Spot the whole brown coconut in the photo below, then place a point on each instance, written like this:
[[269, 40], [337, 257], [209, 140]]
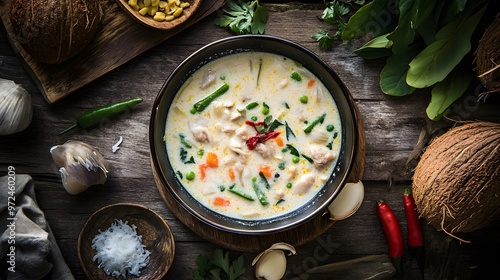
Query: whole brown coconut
[[52, 31], [487, 58], [456, 184]]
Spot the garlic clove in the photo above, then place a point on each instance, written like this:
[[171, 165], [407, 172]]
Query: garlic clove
[[271, 265], [347, 201], [80, 165], [16, 108]]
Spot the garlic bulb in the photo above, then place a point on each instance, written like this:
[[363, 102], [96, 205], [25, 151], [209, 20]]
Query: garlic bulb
[[347, 201], [16, 108], [271, 263], [80, 164]]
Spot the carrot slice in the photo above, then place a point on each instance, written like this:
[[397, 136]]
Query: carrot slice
[[279, 141], [219, 201], [311, 83], [231, 174], [266, 170], [203, 171], [212, 160]]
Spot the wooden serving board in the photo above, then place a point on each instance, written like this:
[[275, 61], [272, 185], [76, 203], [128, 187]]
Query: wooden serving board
[[119, 39], [254, 243]]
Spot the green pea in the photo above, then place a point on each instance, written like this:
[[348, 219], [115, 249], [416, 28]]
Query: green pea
[[254, 118], [304, 99], [295, 159], [265, 109], [201, 152], [192, 111], [190, 176], [330, 127], [289, 185]]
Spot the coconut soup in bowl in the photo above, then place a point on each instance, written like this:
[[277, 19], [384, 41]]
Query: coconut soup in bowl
[[253, 135]]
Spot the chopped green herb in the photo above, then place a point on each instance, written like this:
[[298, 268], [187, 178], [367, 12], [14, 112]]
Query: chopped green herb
[[190, 175], [303, 99], [296, 76], [252, 105], [275, 124], [260, 68], [264, 180], [282, 165], [325, 40], [265, 108], [307, 158], [179, 174], [222, 188], [288, 132], [276, 175], [286, 105], [335, 135], [329, 145], [184, 142], [317, 121], [219, 267], [222, 77], [254, 118], [293, 151], [280, 201]]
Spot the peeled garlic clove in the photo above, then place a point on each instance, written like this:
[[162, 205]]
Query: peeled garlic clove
[[271, 263], [271, 266], [347, 201], [80, 165], [16, 108]]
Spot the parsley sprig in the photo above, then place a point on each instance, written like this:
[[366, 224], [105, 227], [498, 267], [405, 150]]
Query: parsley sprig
[[244, 17], [219, 267], [334, 14]]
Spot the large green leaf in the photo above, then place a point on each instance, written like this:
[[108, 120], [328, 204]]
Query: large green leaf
[[378, 47], [375, 17], [452, 8], [438, 59], [448, 91], [393, 75]]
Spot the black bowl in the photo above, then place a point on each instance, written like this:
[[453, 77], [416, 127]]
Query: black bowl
[[246, 43]]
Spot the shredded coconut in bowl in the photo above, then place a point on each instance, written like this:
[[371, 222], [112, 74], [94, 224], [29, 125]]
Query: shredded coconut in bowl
[[120, 250]]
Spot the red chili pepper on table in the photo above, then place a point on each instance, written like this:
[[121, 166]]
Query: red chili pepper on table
[[392, 232], [415, 236]]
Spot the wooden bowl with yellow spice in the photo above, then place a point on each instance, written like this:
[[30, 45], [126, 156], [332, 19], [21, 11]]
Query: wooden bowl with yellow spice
[[160, 14]]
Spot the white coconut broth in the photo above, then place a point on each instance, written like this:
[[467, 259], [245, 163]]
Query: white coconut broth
[[222, 153]]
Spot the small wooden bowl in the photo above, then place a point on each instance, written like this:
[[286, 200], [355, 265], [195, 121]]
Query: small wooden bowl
[[163, 25], [156, 236]]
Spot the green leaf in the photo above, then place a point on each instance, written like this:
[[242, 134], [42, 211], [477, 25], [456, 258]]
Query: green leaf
[[334, 11], [378, 47], [404, 33], [393, 75], [374, 17], [324, 39], [452, 9], [221, 260], [244, 17], [438, 59], [444, 93], [237, 268]]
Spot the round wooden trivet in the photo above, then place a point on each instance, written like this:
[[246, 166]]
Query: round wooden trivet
[[254, 243]]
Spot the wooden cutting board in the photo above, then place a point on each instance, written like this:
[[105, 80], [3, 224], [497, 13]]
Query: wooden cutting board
[[254, 243], [119, 39]]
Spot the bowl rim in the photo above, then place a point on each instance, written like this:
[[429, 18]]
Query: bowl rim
[[344, 92], [129, 205]]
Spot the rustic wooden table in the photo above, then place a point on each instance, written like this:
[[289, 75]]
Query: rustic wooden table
[[392, 127]]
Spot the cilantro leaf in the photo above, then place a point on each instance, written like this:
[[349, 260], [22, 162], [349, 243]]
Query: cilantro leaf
[[237, 269], [219, 267], [325, 40], [243, 17]]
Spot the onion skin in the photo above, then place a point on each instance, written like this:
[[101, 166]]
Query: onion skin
[[456, 184], [53, 31]]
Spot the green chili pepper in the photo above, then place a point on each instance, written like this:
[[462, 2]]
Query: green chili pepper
[[260, 194], [202, 104], [98, 114], [241, 194], [317, 121]]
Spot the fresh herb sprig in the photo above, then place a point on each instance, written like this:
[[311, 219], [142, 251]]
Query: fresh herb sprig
[[219, 267], [244, 17], [334, 14]]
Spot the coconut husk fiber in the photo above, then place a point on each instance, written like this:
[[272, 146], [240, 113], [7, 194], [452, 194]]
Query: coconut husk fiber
[[487, 57]]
